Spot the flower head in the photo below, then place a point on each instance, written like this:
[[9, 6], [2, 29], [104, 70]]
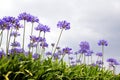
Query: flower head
[[15, 44], [84, 47], [43, 44], [63, 25], [15, 34], [103, 43], [35, 56], [2, 53], [89, 53], [43, 28], [99, 54], [112, 61], [67, 50]]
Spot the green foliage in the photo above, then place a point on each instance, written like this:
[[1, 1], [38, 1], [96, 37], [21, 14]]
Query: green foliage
[[20, 67]]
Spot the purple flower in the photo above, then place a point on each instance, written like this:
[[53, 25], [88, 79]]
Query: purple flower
[[113, 61], [43, 28], [2, 53], [56, 56], [84, 47], [5, 25], [63, 25], [99, 54], [66, 50], [16, 50], [33, 38], [32, 45], [89, 53], [103, 43], [99, 62], [40, 39], [15, 34], [35, 56], [33, 19], [43, 44], [17, 26], [24, 16], [15, 44], [48, 53]]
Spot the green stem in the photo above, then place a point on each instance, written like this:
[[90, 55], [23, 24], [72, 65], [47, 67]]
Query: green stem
[[31, 35], [1, 37], [57, 41], [9, 39], [7, 42], [32, 29], [103, 55], [23, 36], [38, 42]]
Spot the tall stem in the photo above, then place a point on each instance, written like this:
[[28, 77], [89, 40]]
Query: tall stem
[[103, 55], [23, 36], [32, 29], [38, 42], [1, 38], [7, 42], [9, 39], [57, 41], [31, 35]]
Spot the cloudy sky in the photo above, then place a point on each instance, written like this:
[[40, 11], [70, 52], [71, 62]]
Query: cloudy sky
[[91, 20]]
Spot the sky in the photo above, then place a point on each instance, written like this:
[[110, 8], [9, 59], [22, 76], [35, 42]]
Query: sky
[[91, 20]]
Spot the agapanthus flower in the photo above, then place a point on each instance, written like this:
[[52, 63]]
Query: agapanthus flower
[[35, 56], [40, 39], [17, 26], [5, 25], [99, 62], [84, 47], [43, 44], [24, 16], [99, 54], [16, 50], [56, 56], [67, 50], [33, 38], [63, 25], [43, 28], [113, 61], [103, 43], [14, 33], [32, 45], [89, 53], [15, 44], [33, 19], [48, 53], [2, 53]]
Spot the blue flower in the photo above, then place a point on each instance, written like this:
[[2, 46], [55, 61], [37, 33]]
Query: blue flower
[[103, 43], [84, 47], [43, 28], [67, 50], [63, 25], [43, 44], [99, 54], [48, 53], [2, 53], [15, 44], [35, 56], [15, 34]]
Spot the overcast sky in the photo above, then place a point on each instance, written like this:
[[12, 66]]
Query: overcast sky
[[91, 20]]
